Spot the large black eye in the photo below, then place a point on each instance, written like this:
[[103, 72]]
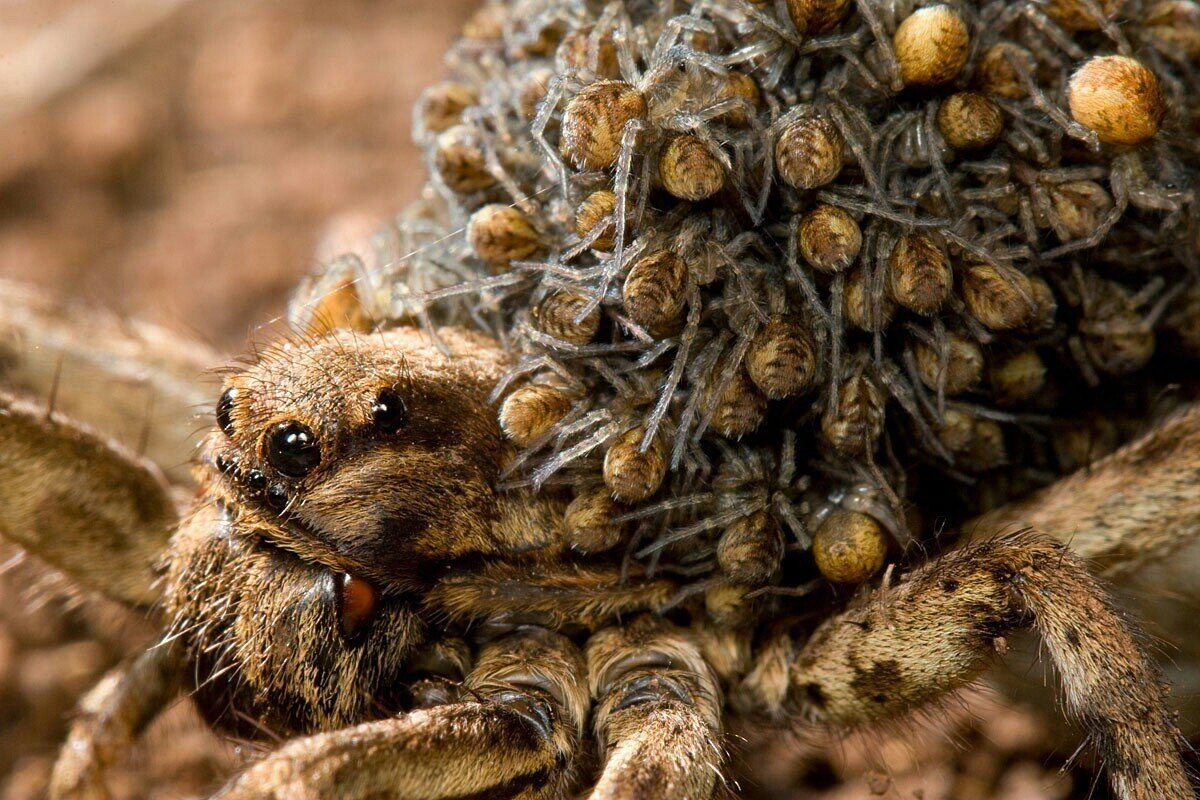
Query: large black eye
[[389, 412], [225, 410], [292, 449]]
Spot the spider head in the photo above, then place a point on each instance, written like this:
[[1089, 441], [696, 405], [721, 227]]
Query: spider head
[[372, 454]]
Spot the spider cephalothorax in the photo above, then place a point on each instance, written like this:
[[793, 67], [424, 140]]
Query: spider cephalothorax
[[302, 612], [370, 459]]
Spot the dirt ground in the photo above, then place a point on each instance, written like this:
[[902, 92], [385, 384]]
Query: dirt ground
[[182, 162], [189, 177]]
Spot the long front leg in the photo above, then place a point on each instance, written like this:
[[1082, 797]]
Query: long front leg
[[145, 386], [111, 717], [518, 738], [1132, 508], [905, 646], [82, 504], [1135, 517]]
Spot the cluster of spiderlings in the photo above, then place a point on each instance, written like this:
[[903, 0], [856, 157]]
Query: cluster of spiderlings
[[778, 273]]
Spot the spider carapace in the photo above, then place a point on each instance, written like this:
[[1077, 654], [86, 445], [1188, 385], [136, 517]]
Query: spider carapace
[[351, 577]]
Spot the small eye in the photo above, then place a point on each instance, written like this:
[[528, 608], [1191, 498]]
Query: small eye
[[388, 412], [277, 497], [225, 410], [292, 449], [256, 481]]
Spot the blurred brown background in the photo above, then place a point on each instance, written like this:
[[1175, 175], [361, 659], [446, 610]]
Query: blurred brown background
[[179, 161]]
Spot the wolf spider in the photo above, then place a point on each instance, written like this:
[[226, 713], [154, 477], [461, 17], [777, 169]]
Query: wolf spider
[[349, 577]]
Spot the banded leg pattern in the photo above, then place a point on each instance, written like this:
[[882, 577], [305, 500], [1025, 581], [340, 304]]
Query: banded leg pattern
[[517, 737], [658, 713]]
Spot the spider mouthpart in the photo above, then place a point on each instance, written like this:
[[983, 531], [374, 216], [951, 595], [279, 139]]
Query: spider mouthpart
[[588, 520], [292, 449], [225, 410], [388, 412], [357, 603]]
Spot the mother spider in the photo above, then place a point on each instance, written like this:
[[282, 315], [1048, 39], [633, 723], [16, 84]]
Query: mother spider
[[350, 577], [712, 249]]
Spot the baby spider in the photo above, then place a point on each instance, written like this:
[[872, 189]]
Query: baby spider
[[351, 579], [1113, 337]]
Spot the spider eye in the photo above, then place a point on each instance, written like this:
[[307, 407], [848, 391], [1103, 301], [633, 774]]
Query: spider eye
[[225, 410], [292, 449], [256, 481], [277, 497], [388, 412]]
